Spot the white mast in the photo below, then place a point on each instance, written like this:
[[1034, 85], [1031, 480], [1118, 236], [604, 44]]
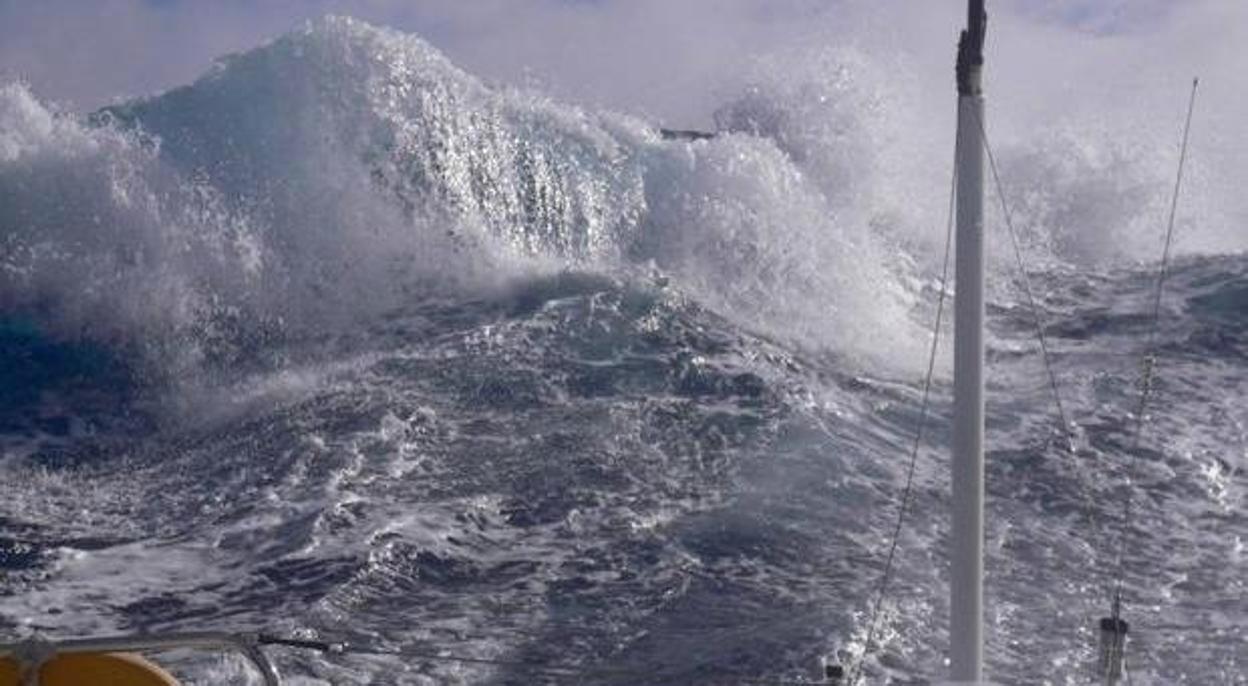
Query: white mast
[[967, 588]]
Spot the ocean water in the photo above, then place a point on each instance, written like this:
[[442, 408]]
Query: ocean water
[[341, 339]]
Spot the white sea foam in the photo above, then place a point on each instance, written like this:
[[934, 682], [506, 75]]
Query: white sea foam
[[343, 171]]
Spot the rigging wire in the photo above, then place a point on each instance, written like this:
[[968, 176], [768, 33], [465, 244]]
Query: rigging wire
[[855, 670], [1025, 278], [1149, 362], [1094, 512], [1090, 506]]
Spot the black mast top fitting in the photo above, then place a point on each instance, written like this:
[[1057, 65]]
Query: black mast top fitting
[[971, 48]]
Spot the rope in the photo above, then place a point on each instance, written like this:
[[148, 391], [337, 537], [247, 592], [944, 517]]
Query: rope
[[855, 670], [1149, 363], [569, 672]]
